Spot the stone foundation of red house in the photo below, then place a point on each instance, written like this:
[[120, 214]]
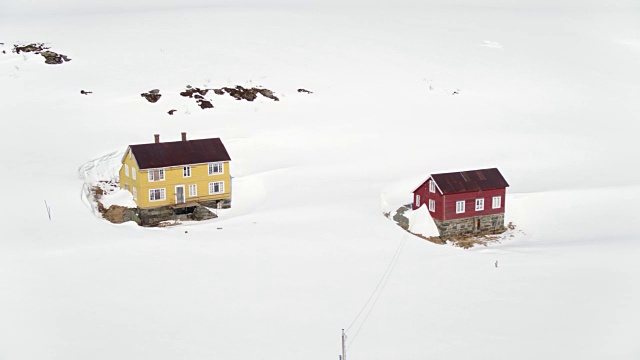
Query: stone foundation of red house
[[486, 224]]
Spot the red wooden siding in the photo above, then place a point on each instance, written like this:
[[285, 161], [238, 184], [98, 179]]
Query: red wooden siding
[[470, 204], [425, 196], [446, 204]]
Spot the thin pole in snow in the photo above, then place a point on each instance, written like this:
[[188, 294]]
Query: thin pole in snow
[[48, 209], [344, 348]]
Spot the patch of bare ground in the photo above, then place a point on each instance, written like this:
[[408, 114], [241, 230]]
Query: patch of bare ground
[[169, 223], [115, 214], [469, 241]]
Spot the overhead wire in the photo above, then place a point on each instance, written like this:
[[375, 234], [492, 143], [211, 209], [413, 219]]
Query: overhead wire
[[377, 291]]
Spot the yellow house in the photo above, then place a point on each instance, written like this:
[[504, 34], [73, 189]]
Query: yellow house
[[177, 173]]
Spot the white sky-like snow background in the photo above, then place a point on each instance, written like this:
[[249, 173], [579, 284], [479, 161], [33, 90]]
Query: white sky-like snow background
[[548, 93]]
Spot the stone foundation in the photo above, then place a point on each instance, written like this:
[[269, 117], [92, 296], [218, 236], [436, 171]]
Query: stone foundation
[[485, 224], [154, 216], [217, 204]]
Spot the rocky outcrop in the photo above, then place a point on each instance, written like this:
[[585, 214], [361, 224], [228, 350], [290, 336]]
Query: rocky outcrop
[[50, 57], [34, 48], [120, 214], [249, 94], [305, 91], [198, 94], [399, 217], [152, 96], [53, 58]]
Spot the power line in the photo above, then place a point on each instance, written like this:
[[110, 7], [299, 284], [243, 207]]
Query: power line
[[377, 291]]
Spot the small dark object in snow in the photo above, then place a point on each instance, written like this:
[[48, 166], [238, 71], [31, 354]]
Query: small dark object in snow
[[186, 232], [204, 104], [4, 52], [455, 92], [85, 92], [219, 228], [305, 91], [152, 96], [496, 263], [170, 112]]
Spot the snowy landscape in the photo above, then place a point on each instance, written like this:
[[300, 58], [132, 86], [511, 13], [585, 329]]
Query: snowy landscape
[[546, 91]]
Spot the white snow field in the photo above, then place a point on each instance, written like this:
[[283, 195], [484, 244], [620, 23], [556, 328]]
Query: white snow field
[[546, 91]]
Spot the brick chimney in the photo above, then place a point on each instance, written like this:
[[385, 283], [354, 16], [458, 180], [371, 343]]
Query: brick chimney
[[184, 136], [157, 138]]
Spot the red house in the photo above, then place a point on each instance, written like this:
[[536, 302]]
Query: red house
[[464, 202]]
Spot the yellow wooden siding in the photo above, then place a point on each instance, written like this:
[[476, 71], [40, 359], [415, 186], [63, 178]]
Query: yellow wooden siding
[[133, 167], [174, 176]]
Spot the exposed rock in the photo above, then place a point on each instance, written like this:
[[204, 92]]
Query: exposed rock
[[304, 91], [241, 93], [35, 48], [399, 217], [198, 94], [152, 96], [119, 214], [204, 104], [268, 94], [172, 111], [50, 57], [54, 58], [191, 91], [202, 213]]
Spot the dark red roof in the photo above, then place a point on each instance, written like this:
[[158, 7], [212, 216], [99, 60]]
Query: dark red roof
[[474, 180], [176, 153]]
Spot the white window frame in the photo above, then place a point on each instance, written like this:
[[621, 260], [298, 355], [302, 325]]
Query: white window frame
[[186, 171], [496, 202], [193, 190], [126, 170], [417, 200], [480, 204], [432, 205], [160, 174], [432, 186], [161, 192], [212, 187], [135, 193], [133, 173], [460, 206], [219, 165]]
